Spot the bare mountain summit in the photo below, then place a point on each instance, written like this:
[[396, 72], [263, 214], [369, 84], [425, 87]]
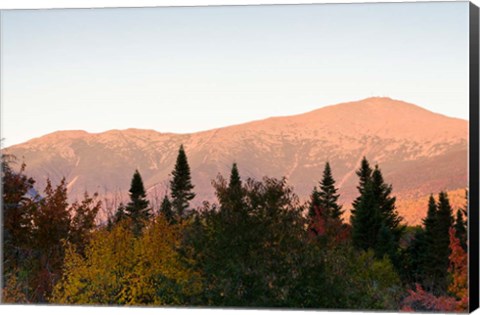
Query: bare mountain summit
[[419, 152]]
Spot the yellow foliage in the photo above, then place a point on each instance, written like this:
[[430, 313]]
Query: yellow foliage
[[121, 269]]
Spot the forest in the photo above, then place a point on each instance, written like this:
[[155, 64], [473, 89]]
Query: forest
[[257, 246]]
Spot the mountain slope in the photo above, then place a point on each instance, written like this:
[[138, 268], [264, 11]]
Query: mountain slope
[[419, 152]]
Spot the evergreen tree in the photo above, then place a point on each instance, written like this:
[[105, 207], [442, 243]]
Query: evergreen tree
[[427, 250], [138, 208], [375, 221], [235, 183], [436, 251], [231, 197], [461, 229], [230, 194], [413, 257], [441, 245], [430, 219], [389, 215], [181, 184], [364, 174], [328, 195], [366, 220], [386, 244], [166, 210], [235, 191], [119, 214], [461, 223]]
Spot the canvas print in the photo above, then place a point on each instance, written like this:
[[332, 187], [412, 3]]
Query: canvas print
[[270, 156]]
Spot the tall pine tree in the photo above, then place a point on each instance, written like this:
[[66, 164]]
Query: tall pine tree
[[231, 197], [430, 219], [181, 184], [328, 195], [375, 221], [389, 215], [235, 191], [366, 220], [364, 174], [138, 208], [427, 251], [441, 245], [435, 250], [235, 183]]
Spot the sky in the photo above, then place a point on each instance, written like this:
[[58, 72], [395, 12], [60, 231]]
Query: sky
[[190, 69]]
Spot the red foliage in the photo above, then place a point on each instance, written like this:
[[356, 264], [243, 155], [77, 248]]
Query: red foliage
[[420, 300], [322, 225], [459, 271], [318, 224]]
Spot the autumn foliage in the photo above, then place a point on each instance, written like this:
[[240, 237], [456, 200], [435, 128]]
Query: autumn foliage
[[459, 272], [257, 246]]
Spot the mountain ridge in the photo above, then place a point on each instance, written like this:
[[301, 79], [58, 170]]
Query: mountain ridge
[[361, 102], [407, 141]]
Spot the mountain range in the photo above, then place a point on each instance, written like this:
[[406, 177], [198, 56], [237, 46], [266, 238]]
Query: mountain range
[[418, 151]]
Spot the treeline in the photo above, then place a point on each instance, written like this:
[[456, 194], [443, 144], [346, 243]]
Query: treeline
[[258, 246]]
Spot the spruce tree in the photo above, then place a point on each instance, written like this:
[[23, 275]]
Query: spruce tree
[[117, 217], [231, 197], [413, 258], [390, 218], [235, 191], [430, 219], [235, 183], [461, 229], [386, 243], [366, 220], [427, 255], [364, 174], [444, 222], [181, 184], [441, 245], [328, 196], [375, 221], [138, 208], [166, 210]]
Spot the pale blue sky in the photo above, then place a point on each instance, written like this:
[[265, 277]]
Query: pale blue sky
[[191, 69]]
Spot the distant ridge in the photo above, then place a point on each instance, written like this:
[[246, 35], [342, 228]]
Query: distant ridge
[[419, 152]]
